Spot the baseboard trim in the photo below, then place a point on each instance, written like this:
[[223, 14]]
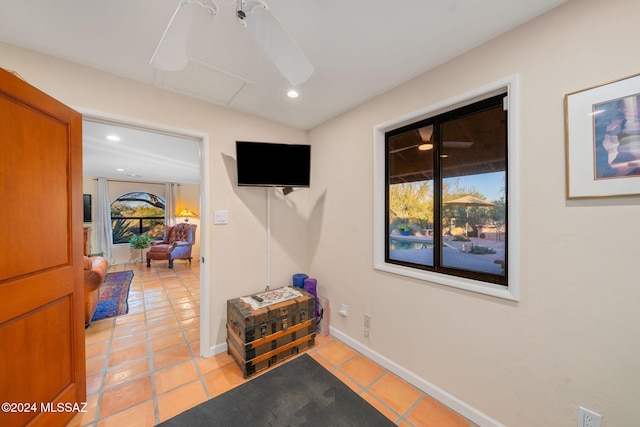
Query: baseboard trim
[[217, 349], [464, 409]]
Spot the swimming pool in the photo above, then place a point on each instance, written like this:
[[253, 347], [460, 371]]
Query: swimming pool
[[395, 244]]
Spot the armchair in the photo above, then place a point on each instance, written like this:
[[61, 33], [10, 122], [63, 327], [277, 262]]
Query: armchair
[[177, 245]]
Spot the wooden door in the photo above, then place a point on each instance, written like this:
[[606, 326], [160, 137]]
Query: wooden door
[[42, 365]]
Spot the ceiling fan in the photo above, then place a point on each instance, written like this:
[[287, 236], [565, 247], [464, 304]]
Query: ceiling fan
[[191, 16], [425, 134]]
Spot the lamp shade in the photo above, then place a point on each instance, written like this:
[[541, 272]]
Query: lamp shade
[[186, 214]]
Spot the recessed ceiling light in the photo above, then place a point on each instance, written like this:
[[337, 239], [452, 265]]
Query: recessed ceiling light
[[425, 147], [120, 170], [134, 175], [293, 93], [115, 138]]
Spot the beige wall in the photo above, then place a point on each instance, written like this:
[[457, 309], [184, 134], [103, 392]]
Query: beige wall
[[237, 263], [573, 337]]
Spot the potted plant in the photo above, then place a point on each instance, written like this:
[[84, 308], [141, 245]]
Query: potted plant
[[141, 241], [405, 229]]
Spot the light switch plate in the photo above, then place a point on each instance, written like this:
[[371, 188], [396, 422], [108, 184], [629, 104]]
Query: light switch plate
[[220, 217]]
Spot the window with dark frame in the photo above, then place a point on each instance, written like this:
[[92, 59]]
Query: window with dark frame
[[446, 193], [136, 213]]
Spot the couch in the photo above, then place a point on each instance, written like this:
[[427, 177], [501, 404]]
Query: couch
[[95, 269]]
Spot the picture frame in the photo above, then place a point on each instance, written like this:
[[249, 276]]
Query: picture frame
[[602, 135]]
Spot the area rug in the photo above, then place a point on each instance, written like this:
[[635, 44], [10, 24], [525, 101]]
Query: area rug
[[113, 295], [297, 393]]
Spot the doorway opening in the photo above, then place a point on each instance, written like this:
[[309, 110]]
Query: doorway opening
[[128, 153]]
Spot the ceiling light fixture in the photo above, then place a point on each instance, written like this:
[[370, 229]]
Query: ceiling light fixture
[[293, 93], [425, 147], [120, 170], [114, 138], [426, 133]]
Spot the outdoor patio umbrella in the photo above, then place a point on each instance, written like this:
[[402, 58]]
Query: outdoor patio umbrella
[[468, 201]]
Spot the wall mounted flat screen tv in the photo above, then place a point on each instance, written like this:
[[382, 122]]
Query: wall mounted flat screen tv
[[265, 164], [86, 200]]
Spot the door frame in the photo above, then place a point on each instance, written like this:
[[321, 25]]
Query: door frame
[[205, 206]]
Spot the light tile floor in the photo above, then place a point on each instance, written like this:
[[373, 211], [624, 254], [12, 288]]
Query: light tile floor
[[144, 367]]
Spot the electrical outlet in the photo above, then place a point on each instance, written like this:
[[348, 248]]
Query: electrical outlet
[[367, 325], [587, 418]]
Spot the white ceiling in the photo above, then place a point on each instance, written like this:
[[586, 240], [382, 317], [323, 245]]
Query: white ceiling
[[139, 155], [359, 48]]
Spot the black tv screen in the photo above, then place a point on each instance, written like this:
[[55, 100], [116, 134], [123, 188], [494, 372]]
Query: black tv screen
[[265, 164], [86, 199]]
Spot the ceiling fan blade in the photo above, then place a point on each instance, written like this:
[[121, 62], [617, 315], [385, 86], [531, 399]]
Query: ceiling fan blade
[[277, 44], [449, 144], [398, 150], [171, 54], [458, 144], [426, 133]]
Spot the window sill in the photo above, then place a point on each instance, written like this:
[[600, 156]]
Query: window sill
[[490, 289]]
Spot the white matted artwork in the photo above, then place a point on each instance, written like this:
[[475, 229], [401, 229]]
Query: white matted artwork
[[602, 130]]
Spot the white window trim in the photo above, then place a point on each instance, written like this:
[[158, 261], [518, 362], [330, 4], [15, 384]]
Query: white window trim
[[510, 292]]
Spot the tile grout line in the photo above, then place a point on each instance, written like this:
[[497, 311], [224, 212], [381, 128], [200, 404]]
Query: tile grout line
[[399, 417], [193, 357], [338, 367], [103, 388], [104, 370], [154, 397], [103, 374], [182, 333]]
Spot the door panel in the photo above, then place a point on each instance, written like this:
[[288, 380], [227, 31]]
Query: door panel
[[41, 279], [36, 194]]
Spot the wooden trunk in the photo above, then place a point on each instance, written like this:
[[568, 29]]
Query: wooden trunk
[[258, 338]]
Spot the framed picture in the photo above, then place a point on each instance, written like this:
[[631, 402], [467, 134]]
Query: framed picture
[[602, 130]]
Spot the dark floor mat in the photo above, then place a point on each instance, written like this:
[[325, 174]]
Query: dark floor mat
[[297, 393]]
